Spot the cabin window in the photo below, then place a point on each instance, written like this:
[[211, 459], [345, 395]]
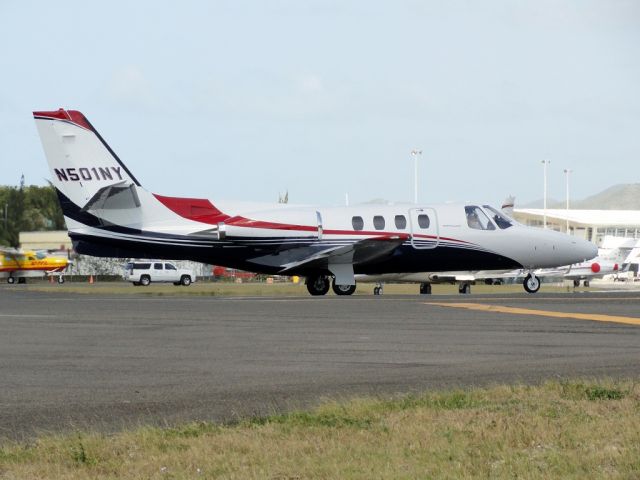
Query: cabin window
[[157, 266], [477, 219], [357, 223], [142, 266], [378, 222], [500, 219], [169, 266], [401, 222], [423, 221]]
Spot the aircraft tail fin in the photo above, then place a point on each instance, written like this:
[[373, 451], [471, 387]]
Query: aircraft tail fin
[[84, 169], [508, 205]]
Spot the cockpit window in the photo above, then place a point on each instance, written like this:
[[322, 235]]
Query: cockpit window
[[499, 218], [477, 219]]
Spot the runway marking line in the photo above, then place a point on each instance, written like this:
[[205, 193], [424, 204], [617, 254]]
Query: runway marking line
[[542, 313]]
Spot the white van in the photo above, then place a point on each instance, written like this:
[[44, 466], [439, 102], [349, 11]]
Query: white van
[[143, 272]]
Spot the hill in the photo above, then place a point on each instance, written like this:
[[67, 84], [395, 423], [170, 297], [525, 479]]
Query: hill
[[618, 197]]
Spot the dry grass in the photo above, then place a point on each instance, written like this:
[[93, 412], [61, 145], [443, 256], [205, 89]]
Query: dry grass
[[556, 430]]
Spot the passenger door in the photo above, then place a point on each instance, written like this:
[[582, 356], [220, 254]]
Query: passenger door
[[425, 232]]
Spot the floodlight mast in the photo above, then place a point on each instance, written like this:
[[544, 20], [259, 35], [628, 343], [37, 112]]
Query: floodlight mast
[[567, 172], [545, 163], [414, 153]]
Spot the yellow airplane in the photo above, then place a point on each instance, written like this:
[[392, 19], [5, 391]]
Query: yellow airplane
[[16, 265]]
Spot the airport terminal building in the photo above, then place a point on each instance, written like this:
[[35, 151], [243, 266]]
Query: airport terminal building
[[592, 225]]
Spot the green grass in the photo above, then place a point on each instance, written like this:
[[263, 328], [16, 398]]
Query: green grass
[[571, 429]]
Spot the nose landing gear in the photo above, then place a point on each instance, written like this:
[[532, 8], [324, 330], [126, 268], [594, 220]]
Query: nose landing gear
[[531, 283]]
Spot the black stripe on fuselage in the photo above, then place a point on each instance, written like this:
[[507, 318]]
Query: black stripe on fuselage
[[269, 254]]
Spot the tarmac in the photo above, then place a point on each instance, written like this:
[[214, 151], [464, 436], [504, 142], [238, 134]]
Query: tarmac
[[86, 361]]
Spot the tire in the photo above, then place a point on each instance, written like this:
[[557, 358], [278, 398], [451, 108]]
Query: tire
[[497, 282], [531, 283], [318, 285], [60, 279], [343, 289], [464, 289], [586, 283], [22, 280], [376, 290], [185, 280], [576, 283], [145, 280], [11, 280], [425, 288]]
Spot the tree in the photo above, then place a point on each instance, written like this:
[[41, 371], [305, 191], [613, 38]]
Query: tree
[[28, 209]]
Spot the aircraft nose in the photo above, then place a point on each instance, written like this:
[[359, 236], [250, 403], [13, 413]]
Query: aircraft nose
[[583, 249]]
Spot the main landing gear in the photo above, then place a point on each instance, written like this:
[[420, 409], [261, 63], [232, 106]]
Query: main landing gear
[[319, 285], [531, 283]]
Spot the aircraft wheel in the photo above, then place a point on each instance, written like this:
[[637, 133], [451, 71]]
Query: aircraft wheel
[[425, 288], [586, 283], [576, 283], [11, 280], [145, 280], [318, 285], [531, 283], [343, 289], [22, 280], [464, 288], [497, 282], [185, 280], [60, 279], [376, 290]]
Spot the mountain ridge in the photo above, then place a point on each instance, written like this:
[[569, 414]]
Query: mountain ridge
[[624, 196]]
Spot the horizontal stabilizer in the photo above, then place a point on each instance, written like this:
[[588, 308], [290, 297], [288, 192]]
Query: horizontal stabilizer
[[119, 196]]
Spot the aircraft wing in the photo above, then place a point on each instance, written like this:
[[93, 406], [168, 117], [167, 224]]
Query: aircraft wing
[[12, 253], [359, 253]]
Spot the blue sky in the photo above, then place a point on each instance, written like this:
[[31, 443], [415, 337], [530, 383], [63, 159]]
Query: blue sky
[[245, 99]]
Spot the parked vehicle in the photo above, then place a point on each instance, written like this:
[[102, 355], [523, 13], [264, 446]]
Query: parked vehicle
[[143, 272]]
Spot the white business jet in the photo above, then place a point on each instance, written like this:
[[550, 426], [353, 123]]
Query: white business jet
[[109, 214]]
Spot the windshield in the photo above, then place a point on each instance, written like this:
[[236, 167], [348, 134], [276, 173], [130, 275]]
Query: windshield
[[477, 219], [499, 218]]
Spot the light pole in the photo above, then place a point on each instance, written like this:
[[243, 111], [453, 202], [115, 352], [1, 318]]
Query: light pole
[[567, 172], [414, 154], [545, 163]]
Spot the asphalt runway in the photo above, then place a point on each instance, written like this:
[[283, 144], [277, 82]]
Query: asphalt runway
[[106, 362]]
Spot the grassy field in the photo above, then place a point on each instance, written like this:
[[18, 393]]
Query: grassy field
[[555, 430], [262, 289]]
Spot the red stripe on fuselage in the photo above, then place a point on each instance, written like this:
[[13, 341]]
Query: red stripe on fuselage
[[197, 209], [248, 223], [202, 210]]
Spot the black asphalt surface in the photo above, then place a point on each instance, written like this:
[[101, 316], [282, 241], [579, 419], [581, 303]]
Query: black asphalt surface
[[101, 362]]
